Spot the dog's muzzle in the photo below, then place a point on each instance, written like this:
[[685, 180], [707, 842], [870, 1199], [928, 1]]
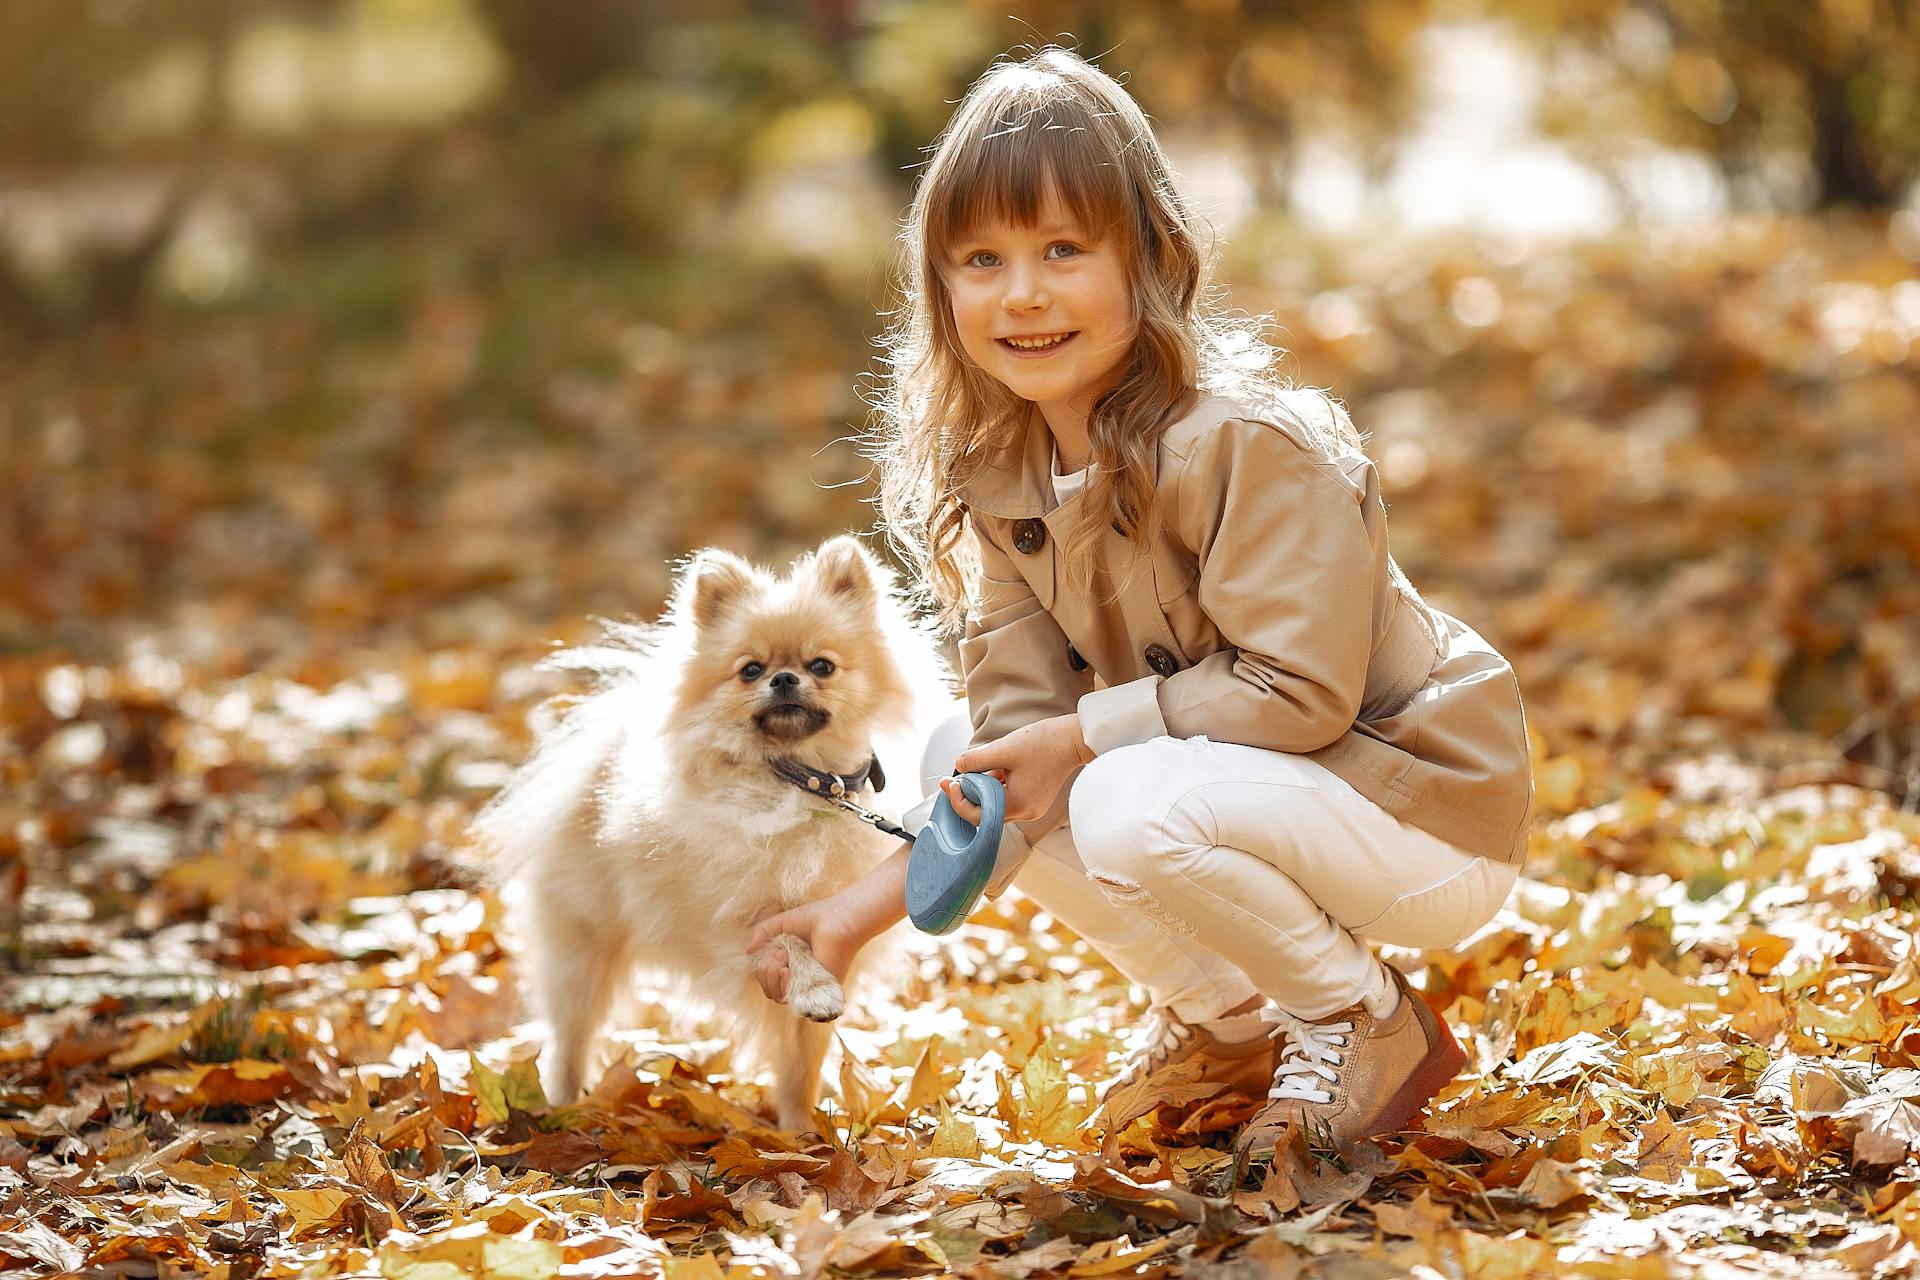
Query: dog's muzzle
[[788, 717]]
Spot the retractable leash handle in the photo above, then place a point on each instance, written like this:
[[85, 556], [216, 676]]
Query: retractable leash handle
[[952, 859]]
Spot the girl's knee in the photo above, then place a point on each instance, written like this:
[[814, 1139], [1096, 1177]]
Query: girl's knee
[[1137, 810], [1114, 808]]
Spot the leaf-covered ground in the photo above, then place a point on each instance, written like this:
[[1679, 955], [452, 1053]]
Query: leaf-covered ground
[[268, 603]]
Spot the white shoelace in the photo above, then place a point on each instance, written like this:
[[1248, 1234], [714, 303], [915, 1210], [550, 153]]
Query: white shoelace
[[1164, 1034], [1313, 1051]]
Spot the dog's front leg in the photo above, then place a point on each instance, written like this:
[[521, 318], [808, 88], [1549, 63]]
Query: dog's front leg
[[796, 1085]]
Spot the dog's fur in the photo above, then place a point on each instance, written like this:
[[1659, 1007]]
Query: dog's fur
[[648, 832]]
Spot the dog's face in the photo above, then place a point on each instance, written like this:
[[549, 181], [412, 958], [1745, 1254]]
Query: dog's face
[[796, 666]]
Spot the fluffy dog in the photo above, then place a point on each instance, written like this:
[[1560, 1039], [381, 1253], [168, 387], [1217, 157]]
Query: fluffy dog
[[650, 829]]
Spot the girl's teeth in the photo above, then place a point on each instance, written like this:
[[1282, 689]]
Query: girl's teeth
[[1036, 346]]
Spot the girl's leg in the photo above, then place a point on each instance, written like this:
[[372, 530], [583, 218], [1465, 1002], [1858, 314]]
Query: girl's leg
[[1275, 863], [1284, 869], [1195, 982]]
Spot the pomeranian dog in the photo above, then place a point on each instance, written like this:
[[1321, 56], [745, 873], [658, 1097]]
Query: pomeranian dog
[[665, 813]]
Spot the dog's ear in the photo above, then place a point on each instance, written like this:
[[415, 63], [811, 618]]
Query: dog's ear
[[714, 581], [843, 567]]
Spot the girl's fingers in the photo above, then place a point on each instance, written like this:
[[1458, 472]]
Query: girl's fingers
[[988, 759], [764, 932], [770, 970], [967, 809]]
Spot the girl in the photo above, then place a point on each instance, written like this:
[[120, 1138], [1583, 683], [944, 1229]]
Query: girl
[[1237, 745]]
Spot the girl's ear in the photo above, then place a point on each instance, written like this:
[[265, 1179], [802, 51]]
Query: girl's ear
[[713, 583], [843, 567]]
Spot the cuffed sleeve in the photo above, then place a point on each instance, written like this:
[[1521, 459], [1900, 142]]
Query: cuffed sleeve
[[1122, 715], [1287, 568]]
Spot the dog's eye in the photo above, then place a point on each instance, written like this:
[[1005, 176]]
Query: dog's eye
[[820, 667], [752, 671]]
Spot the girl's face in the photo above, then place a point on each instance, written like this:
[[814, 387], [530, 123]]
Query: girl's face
[[1045, 309]]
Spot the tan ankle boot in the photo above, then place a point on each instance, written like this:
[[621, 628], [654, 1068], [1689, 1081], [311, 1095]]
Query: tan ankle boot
[[1352, 1075]]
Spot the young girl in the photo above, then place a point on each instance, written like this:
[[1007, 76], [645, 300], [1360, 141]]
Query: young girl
[[1237, 745]]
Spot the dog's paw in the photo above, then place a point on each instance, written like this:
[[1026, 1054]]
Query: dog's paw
[[812, 992], [822, 1002]]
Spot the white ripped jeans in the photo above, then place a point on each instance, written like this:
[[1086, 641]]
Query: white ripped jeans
[[1207, 872]]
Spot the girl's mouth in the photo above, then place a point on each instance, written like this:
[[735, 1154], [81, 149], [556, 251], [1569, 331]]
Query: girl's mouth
[[1037, 353]]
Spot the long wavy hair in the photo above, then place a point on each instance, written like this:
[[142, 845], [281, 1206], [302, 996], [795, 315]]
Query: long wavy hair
[[1054, 118]]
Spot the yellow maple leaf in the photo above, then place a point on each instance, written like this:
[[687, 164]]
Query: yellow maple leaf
[[1050, 1114], [933, 1080], [1664, 1151], [313, 1208], [954, 1137]]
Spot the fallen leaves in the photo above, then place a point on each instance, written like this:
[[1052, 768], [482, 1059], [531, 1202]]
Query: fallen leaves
[[1719, 1046]]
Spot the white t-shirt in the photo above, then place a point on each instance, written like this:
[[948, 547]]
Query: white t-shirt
[[1066, 486]]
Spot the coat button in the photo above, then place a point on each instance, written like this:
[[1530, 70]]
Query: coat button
[[1029, 536], [1074, 659], [1162, 662]]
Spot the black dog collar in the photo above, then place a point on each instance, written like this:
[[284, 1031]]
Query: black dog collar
[[832, 785]]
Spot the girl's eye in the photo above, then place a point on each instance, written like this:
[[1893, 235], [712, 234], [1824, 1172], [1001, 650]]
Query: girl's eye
[[751, 672], [987, 258], [820, 668]]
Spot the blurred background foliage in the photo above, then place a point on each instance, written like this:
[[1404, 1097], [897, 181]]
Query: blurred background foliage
[[186, 149], [328, 323]]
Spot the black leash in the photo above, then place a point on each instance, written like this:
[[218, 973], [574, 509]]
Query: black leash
[[839, 787]]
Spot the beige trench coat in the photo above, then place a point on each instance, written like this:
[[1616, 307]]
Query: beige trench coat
[[1270, 614]]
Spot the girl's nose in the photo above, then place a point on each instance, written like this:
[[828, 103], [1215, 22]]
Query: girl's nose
[[1024, 289]]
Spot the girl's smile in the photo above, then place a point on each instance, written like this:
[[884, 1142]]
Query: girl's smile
[[1036, 348]]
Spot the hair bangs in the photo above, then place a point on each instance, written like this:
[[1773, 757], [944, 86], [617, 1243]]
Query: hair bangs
[[1021, 145]]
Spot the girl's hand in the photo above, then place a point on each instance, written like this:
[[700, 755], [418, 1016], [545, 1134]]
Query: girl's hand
[[1033, 761], [826, 926]]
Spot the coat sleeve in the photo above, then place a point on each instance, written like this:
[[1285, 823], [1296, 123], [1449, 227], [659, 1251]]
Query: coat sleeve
[[1287, 570], [1013, 657]]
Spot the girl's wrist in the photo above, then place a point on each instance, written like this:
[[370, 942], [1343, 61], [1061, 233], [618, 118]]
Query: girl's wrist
[[1081, 751]]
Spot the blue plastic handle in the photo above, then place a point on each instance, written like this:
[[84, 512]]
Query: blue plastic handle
[[952, 859]]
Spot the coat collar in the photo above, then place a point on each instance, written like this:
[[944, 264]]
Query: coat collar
[[1017, 480]]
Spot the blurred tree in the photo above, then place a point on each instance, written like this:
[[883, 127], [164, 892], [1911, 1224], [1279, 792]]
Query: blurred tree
[[59, 64], [1828, 88], [622, 124], [552, 58]]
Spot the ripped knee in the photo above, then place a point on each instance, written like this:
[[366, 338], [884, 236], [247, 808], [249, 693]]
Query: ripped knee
[[1130, 895]]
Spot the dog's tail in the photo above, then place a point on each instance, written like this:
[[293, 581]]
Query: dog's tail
[[553, 792]]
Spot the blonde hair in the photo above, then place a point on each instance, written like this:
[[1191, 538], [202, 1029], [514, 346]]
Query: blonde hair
[[1053, 117]]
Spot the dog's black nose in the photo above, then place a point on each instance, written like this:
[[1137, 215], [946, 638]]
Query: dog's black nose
[[784, 682]]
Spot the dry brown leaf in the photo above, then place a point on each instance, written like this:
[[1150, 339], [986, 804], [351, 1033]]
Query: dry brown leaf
[[1159, 1202], [661, 1200], [367, 1168], [1664, 1152]]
